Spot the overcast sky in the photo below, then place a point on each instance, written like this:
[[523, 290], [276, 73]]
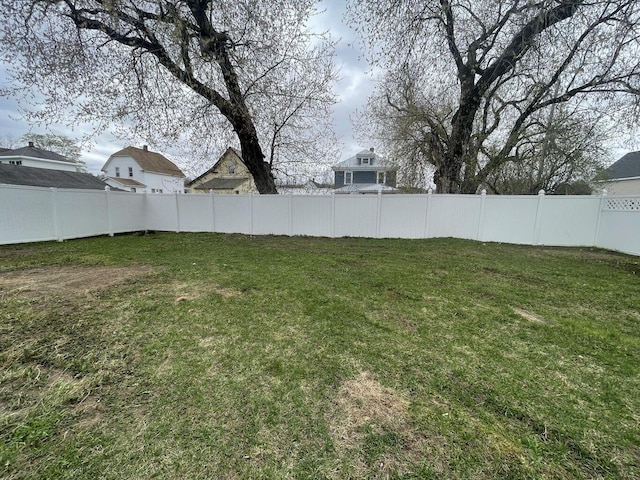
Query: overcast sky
[[352, 89]]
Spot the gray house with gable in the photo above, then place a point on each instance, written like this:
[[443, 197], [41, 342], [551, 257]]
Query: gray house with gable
[[365, 172]]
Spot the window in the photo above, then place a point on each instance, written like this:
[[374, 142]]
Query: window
[[117, 171], [348, 178], [382, 177], [15, 162], [131, 171], [156, 190], [231, 168], [366, 161]]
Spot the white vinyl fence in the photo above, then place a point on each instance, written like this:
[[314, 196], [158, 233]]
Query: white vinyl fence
[[31, 214]]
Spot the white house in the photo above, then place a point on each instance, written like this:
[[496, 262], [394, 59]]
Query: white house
[[623, 177], [32, 156], [141, 170]]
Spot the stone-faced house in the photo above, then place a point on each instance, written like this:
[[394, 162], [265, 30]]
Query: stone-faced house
[[143, 171], [227, 176], [365, 172], [622, 177], [32, 156]]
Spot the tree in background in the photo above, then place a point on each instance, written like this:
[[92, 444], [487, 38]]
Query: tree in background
[[173, 70], [470, 85]]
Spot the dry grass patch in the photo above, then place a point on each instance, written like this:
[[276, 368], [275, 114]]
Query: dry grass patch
[[532, 317], [185, 292], [67, 280], [371, 426]]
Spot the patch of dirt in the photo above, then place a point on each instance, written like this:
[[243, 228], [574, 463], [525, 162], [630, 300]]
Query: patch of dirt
[[363, 407], [532, 317], [67, 279]]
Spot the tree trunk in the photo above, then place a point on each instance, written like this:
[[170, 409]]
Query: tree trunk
[[253, 158]]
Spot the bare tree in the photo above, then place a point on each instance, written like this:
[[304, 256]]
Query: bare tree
[[174, 70], [486, 72]]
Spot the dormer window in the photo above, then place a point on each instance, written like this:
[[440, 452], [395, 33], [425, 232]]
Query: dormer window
[[366, 161]]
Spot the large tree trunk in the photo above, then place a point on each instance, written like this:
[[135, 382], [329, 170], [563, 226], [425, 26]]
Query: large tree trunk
[[253, 158]]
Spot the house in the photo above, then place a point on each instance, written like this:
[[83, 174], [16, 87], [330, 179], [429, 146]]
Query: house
[[622, 177], [47, 177], [365, 172], [141, 170], [32, 156], [228, 175]]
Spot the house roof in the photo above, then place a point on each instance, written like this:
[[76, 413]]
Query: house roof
[[627, 167], [222, 184], [215, 165], [46, 177], [366, 188], [129, 182], [148, 161], [353, 163], [34, 152]]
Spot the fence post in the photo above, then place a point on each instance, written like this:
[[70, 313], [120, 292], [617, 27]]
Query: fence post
[[332, 227], [290, 214], [379, 214], [536, 226], [177, 213], [213, 212], [480, 232], [427, 213], [601, 204], [57, 227], [107, 190], [251, 213]]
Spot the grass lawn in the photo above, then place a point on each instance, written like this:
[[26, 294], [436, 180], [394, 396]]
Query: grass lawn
[[224, 356]]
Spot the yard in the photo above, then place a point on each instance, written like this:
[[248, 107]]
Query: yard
[[225, 356]]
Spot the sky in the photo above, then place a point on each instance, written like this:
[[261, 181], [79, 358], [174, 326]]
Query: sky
[[352, 89]]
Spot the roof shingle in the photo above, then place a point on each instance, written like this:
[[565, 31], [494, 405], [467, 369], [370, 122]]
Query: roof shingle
[[150, 161]]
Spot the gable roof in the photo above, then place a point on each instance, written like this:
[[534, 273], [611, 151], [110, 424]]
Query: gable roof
[[128, 182], [353, 164], [46, 177], [148, 161], [627, 167], [34, 152], [222, 184], [230, 151]]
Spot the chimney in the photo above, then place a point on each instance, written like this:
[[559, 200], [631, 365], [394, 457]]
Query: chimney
[[145, 148], [371, 149], [30, 144]]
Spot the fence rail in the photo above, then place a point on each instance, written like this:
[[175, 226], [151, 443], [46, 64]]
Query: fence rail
[[31, 214]]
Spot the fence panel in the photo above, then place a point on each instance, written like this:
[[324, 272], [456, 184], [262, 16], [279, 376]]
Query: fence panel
[[403, 216], [568, 220], [454, 216], [271, 214], [195, 213], [81, 213], [126, 212], [26, 214], [232, 213], [355, 215], [509, 219], [312, 215], [619, 227], [162, 212]]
